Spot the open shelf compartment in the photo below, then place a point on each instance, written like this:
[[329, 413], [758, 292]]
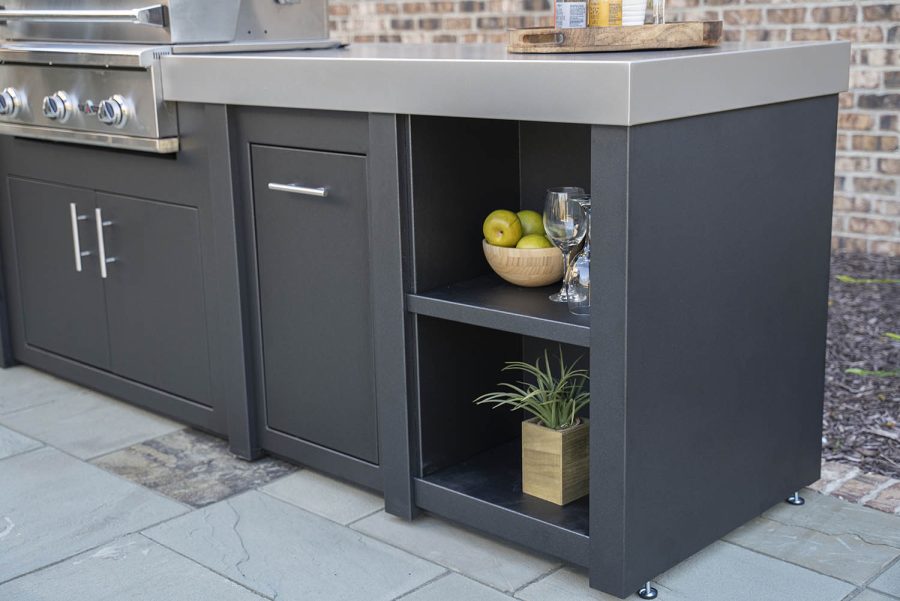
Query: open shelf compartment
[[485, 492], [470, 462]]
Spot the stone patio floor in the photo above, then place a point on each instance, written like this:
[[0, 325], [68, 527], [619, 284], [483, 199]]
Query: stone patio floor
[[100, 501]]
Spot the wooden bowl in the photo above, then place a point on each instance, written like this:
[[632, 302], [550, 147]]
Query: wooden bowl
[[529, 267]]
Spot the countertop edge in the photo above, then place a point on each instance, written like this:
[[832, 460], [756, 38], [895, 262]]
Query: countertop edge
[[645, 88]]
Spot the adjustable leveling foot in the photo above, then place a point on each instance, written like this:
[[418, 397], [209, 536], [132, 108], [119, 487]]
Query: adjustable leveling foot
[[648, 592], [795, 499]]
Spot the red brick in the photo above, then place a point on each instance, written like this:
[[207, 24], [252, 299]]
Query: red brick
[[385, 8], [802, 35], [853, 245], [875, 143], [845, 100], [414, 7], [835, 14], [857, 488], [865, 79], [879, 101], [890, 208], [852, 164], [867, 35], [874, 185], [489, 23], [881, 12], [874, 227], [888, 500], [748, 16], [442, 7], [889, 166], [856, 121], [851, 204], [765, 35], [892, 80], [455, 23], [786, 15], [890, 249]]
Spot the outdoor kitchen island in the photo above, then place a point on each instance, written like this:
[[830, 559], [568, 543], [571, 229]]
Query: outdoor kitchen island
[[350, 188]]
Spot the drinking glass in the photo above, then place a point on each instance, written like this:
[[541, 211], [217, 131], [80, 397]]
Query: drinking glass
[[566, 225], [580, 280]]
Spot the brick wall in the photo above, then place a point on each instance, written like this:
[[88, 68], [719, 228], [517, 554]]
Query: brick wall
[[867, 182]]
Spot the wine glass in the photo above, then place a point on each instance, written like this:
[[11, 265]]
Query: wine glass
[[565, 222], [580, 279]]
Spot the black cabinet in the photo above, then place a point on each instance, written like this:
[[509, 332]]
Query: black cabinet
[[154, 295], [133, 305], [64, 308], [312, 238]]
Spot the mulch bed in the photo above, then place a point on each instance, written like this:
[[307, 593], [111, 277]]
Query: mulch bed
[[862, 413]]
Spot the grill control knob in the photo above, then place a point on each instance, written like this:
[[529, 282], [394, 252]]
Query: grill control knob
[[9, 103], [57, 107], [113, 111]]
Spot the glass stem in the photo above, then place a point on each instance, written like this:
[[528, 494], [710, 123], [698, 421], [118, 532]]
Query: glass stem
[[567, 274]]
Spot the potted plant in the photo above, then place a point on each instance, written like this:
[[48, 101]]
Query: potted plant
[[555, 438]]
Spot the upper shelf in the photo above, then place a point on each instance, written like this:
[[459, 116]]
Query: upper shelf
[[490, 302]]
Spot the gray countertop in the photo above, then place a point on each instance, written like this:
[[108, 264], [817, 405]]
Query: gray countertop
[[485, 81]]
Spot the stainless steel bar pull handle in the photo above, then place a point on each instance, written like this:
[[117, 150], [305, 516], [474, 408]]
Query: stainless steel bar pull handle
[[153, 15], [101, 243], [297, 189], [76, 237]]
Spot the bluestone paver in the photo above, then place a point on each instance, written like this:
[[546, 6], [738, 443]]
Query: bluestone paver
[[131, 568], [339, 502], [13, 443], [721, 571], [501, 566], [889, 582], [454, 587], [834, 516], [870, 595], [277, 549], [845, 556], [53, 506], [22, 387], [87, 424]]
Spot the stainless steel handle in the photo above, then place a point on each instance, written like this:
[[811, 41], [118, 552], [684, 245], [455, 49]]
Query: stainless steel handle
[[101, 243], [153, 15], [76, 238], [295, 189]]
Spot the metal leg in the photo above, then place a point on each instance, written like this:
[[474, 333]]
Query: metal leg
[[795, 499], [648, 592]]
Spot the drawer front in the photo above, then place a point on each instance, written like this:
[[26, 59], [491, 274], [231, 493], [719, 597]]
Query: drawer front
[[312, 239]]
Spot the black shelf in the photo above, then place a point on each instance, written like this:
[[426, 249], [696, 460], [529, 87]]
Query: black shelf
[[485, 493], [490, 302]]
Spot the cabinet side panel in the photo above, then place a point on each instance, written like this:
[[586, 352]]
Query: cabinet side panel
[[728, 263]]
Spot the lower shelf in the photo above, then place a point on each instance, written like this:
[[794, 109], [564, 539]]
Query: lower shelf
[[485, 493]]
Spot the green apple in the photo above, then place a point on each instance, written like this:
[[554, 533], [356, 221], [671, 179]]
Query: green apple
[[532, 222], [534, 241], [502, 228]]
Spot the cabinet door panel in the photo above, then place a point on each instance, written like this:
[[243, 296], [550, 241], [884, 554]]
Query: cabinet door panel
[[155, 295], [64, 310], [315, 301]]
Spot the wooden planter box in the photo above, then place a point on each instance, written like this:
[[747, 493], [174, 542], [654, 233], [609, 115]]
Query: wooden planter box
[[555, 462]]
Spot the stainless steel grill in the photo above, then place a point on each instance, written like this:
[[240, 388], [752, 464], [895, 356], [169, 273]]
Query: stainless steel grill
[[88, 71]]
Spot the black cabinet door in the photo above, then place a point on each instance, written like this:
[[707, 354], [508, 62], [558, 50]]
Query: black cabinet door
[[154, 295], [64, 309], [314, 298]]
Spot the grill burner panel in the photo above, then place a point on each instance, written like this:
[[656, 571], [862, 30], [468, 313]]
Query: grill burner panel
[[87, 71]]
